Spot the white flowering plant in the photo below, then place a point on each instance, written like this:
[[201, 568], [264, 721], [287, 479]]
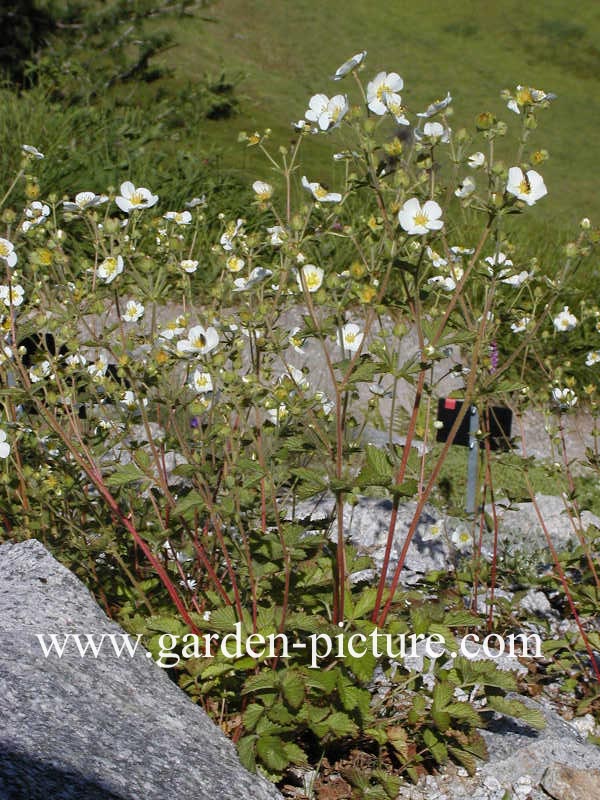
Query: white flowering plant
[[198, 379]]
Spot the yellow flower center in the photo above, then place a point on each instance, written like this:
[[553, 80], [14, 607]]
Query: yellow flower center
[[4, 250], [320, 192], [524, 96], [421, 219], [199, 341], [382, 91], [137, 199], [524, 186]]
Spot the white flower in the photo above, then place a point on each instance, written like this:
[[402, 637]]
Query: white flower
[[515, 280], [189, 583], [328, 113], [435, 131], [460, 251], [317, 107], [448, 282], [296, 341], [75, 360], [132, 199], [179, 217], [592, 358], [32, 151], [476, 160], [319, 192], [257, 275], [12, 295], [130, 402], [310, 276], [99, 367], [350, 337], [326, 403], [461, 537], [196, 201], [499, 259], [297, 376], [381, 89], [435, 532], [4, 445], [528, 186], [277, 415], [201, 382], [337, 108], [278, 235], [565, 398], [84, 200], [417, 219], [173, 328], [435, 258], [565, 321], [133, 311], [7, 252], [394, 105], [36, 214], [467, 187], [235, 263], [231, 231], [436, 107], [199, 340], [40, 371], [110, 268], [521, 325], [5, 354], [526, 96], [349, 65], [188, 265], [263, 190]]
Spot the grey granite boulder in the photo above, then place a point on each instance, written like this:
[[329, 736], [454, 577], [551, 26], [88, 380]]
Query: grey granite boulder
[[106, 728]]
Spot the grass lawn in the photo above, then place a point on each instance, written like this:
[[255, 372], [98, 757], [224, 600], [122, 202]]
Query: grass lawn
[[285, 52]]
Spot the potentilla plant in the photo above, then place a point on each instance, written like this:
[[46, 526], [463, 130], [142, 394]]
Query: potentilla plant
[[174, 391]]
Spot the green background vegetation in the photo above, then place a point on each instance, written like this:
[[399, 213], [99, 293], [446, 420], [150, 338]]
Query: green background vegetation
[[213, 69]]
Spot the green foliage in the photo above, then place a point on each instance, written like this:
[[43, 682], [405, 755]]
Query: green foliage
[[179, 482]]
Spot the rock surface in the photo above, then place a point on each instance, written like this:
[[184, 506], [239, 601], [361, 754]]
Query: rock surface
[[106, 728], [527, 764], [432, 548]]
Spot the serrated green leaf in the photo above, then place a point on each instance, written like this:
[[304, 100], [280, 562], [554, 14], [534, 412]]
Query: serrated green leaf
[[323, 681], [407, 488], [246, 752], [292, 687], [435, 746], [398, 738], [279, 715], [252, 715], [294, 754], [128, 473], [463, 757], [167, 625], [443, 693], [268, 680], [191, 502], [465, 712], [377, 470], [517, 709], [362, 667], [271, 752], [341, 725]]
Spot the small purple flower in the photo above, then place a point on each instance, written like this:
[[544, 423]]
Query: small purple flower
[[195, 422], [494, 357]]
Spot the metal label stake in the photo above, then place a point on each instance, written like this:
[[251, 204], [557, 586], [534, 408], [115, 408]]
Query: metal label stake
[[473, 460]]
